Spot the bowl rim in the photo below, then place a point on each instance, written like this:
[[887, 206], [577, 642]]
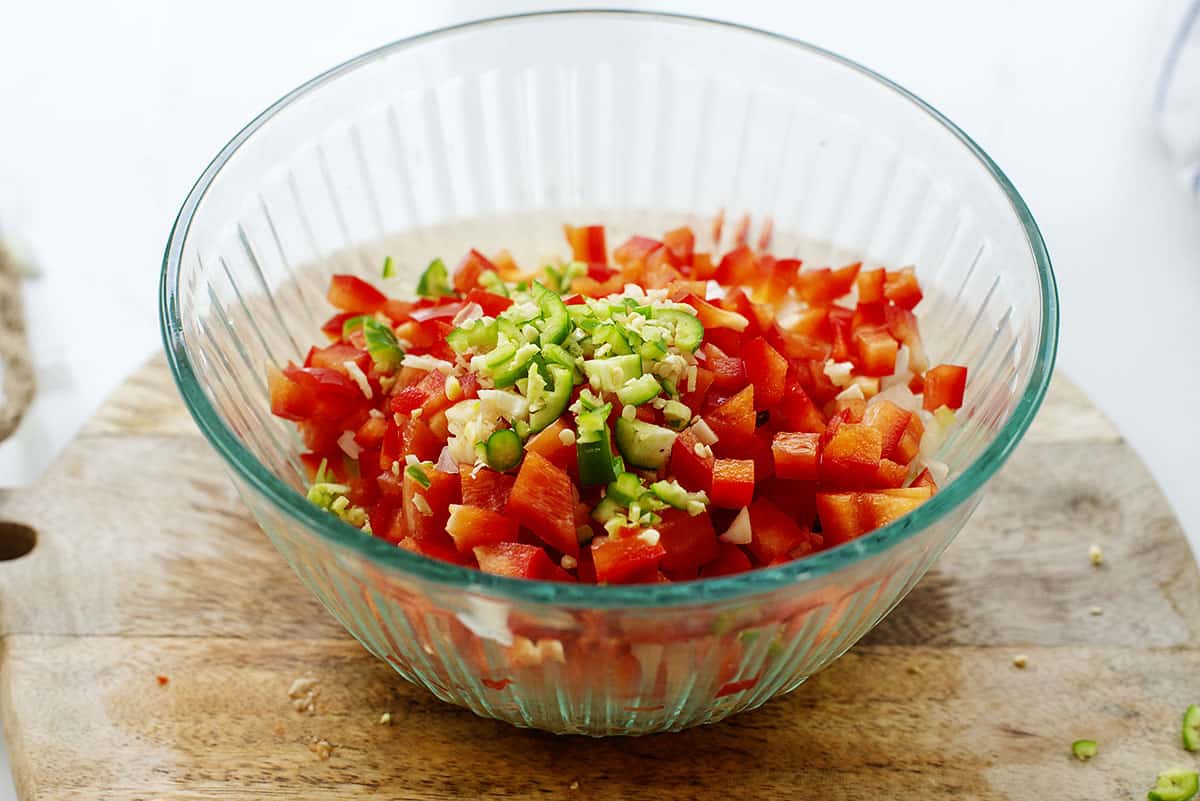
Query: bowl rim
[[638, 596]]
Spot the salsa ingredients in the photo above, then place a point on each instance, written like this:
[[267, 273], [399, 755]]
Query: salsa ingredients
[[654, 414]]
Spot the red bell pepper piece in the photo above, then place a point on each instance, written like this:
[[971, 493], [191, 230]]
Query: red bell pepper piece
[[690, 469], [352, 294], [870, 286], [798, 412], [619, 559], [851, 456], [688, 542], [824, 286], [732, 483], [730, 560], [473, 265], [682, 243], [428, 395], [491, 303], [543, 500], [892, 423], [796, 455], [738, 267], [729, 373], [733, 421], [776, 536], [442, 491], [713, 316], [846, 515], [485, 487], [925, 479], [704, 380], [289, 399], [518, 560], [471, 526], [635, 251], [334, 325], [549, 443], [901, 287], [876, 350], [766, 370], [587, 244], [944, 386]]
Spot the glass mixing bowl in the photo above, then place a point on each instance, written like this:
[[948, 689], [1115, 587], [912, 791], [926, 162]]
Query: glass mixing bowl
[[638, 121]]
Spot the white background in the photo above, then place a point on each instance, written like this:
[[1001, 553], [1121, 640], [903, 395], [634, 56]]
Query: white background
[[109, 110]]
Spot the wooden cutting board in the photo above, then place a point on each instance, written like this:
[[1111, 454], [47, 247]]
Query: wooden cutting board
[[146, 564]]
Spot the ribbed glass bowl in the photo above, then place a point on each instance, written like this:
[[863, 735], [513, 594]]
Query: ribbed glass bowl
[[496, 133]]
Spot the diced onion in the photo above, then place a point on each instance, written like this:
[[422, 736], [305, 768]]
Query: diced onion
[[348, 445], [704, 433], [446, 462], [739, 532], [427, 363], [472, 311]]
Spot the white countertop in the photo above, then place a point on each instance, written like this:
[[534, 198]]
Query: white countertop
[[109, 110]]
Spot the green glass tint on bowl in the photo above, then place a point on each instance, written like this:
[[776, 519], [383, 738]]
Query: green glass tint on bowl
[[494, 134]]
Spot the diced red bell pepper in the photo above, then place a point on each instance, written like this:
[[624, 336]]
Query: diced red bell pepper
[[779, 277], [824, 286], [890, 475], [901, 287], [738, 267], [333, 395], [847, 515], [618, 559], [398, 311], [703, 268], [682, 243], [760, 316], [428, 395], [796, 345], [730, 560], [869, 315], [635, 251], [775, 535], [842, 322], [694, 399], [441, 549], [471, 526], [689, 542], [289, 399], [724, 339], [587, 243], [334, 325], [335, 356], [543, 500], [796, 455], [713, 316], [876, 350], [854, 409], [442, 491], [442, 311], [733, 421], [660, 272], [729, 373], [798, 412], [870, 286], [352, 294], [910, 441], [766, 370], [518, 560], [473, 265], [891, 421], [418, 439], [944, 386], [732, 483], [690, 469], [851, 456], [485, 487], [370, 433], [491, 303], [925, 479], [549, 443], [901, 324]]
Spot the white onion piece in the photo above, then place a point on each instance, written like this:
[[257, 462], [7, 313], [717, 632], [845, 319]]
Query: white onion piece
[[739, 532], [704, 432], [939, 470], [472, 311], [446, 463], [901, 374], [900, 395], [348, 445]]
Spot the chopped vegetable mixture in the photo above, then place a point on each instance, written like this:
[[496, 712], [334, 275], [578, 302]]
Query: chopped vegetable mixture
[[657, 414]]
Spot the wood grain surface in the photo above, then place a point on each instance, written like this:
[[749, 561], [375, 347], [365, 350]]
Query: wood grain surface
[[148, 565]]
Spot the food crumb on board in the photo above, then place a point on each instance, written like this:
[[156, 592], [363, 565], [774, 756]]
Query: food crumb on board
[[1020, 660], [304, 692], [1096, 611], [1096, 555], [162, 680], [914, 670], [321, 748], [385, 719], [574, 785]]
